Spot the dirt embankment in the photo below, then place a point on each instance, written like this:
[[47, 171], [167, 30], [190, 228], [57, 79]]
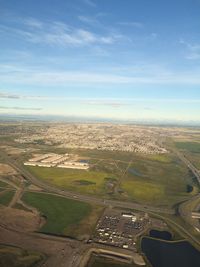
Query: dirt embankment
[[5, 169], [19, 220]]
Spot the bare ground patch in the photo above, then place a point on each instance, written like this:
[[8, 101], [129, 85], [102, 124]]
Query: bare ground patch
[[19, 220], [5, 169]]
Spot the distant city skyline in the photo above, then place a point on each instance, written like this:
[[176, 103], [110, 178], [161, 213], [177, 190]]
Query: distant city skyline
[[120, 60]]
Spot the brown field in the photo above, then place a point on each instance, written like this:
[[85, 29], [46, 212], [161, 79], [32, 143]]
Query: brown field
[[19, 219], [5, 169]]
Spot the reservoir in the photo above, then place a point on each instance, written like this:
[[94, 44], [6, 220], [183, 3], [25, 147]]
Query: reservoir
[[164, 235], [170, 254]]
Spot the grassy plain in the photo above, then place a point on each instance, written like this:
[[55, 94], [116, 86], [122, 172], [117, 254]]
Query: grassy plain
[[160, 180], [6, 197], [191, 150], [194, 158], [64, 216], [16, 257], [157, 183], [193, 147], [4, 185], [92, 182]]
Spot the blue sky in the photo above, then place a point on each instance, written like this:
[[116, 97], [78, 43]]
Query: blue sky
[[116, 59]]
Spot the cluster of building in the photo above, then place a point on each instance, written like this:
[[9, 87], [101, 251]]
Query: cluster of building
[[113, 137], [55, 160], [121, 229]]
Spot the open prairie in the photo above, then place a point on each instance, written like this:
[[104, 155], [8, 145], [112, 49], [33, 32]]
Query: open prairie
[[64, 216], [160, 180], [15, 257]]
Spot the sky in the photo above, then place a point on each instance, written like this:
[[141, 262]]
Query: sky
[[132, 60]]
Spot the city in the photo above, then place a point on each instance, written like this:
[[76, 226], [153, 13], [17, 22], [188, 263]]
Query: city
[[99, 133]]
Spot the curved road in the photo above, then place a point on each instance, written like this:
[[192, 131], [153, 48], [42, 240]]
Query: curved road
[[85, 198]]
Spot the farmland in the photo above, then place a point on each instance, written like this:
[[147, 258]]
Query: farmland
[[193, 147], [155, 179], [5, 197], [74, 180], [191, 150], [63, 216], [16, 257]]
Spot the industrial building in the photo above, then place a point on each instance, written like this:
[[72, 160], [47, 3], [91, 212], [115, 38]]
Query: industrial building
[[55, 160]]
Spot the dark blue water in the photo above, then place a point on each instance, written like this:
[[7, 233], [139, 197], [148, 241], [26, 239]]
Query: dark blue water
[[169, 254], [161, 235]]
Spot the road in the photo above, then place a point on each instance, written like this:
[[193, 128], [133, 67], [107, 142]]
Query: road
[[59, 251], [85, 198], [192, 168], [66, 252], [62, 252], [183, 210]]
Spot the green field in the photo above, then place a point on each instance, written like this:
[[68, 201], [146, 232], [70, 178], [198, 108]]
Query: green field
[[69, 178], [194, 158], [158, 183], [64, 216], [193, 147], [16, 257], [160, 180], [191, 151], [4, 185], [6, 197]]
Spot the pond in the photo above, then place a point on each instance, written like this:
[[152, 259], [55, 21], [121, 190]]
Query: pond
[[165, 235], [170, 254]]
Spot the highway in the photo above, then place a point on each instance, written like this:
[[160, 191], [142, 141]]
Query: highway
[[86, 198], [68, 252], [193, 169], [184, 213]]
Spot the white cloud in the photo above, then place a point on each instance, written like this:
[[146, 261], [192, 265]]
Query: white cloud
[[135, 24], [32, 22], [52, 78], [90, 3], [9, 96], [193, 50], [19, 108], [58, 33], [109, 103], [88, 20]]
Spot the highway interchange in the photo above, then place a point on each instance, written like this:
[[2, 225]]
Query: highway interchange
[[68, 252]]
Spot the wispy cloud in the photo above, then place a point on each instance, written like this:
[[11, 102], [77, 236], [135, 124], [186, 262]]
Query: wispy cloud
[[148, 108], [108, 103], [135, 24], [42, 76], [58, 33], [9, 96], [32, 22], [90, 3], [193, 50], [114, 102], [92, 21], [20, 108]]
